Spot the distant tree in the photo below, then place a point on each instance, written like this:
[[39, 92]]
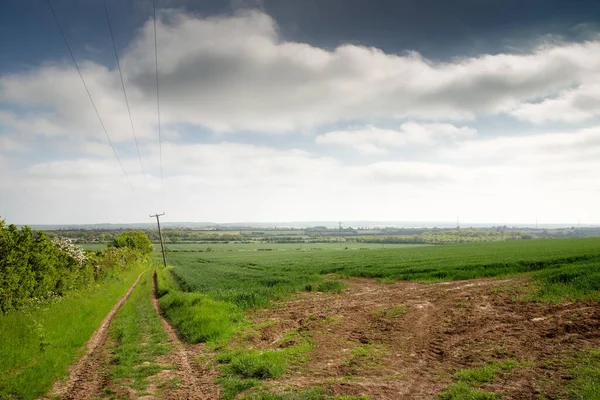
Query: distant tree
[[135, 240]]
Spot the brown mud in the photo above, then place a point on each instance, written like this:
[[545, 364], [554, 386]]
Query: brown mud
[[405, 340]]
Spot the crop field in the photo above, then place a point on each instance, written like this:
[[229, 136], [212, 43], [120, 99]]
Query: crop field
[[251, 278], [392, 322]]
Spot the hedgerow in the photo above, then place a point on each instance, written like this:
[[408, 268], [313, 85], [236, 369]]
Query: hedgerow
[[34, 267]]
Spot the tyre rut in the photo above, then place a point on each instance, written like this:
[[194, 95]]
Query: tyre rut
[[89, 376]]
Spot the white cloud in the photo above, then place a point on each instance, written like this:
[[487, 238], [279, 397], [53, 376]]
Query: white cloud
[[371, 139], [506, 179], [563, 148], [412, 173], [236, 73], [573, 105]]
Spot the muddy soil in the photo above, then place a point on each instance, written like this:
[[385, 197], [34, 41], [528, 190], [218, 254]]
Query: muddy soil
[[405, 340]]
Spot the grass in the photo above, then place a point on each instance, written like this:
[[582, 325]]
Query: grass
[[331, 286], [242, 369], [565, 268], [139, 336], [38, 344], [586, 382], [484, 374], [365, 356], [391, 313], [314, 393], [462, 391], [258, 364], [466, 381], [197, 317], [206, 293]]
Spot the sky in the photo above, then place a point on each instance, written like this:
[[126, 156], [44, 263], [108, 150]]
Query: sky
[[301, 110]]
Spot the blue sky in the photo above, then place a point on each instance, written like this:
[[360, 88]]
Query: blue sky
[[303, 110]]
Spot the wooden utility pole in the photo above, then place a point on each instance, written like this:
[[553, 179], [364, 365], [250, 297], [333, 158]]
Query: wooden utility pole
[[162, 246]]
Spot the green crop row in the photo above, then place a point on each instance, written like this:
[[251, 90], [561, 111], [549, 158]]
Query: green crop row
[[567, 268]]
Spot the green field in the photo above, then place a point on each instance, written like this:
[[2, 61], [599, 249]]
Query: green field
[[220, 282], [564, 267], [205, 293], [264, 246]]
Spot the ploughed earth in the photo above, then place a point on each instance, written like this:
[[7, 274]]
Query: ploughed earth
[[405, 340]]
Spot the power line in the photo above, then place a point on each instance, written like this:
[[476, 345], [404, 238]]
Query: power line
[[123, 86], [158, 98], [90, 97]]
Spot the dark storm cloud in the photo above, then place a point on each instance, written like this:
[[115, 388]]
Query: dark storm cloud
[[438, 29]]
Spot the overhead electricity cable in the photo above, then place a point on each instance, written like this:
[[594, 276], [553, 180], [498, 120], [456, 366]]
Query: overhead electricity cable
[[91, 99], [112, 36], [158, 99]]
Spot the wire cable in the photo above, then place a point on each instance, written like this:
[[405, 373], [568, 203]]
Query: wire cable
[[112, 36], [158, 99], [91, 99]]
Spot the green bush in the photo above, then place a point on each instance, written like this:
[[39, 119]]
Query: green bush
[[134, 240]]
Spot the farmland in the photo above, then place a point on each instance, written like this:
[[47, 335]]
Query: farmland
[[237, 276], [329, 321], [334, 321]]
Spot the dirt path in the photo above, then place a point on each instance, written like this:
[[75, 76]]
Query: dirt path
[[183, 376], [88, 376], [197, 381], [412, 337]]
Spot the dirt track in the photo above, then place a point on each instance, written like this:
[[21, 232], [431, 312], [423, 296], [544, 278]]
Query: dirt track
[[446, 326], [438, 329], [89, 376]]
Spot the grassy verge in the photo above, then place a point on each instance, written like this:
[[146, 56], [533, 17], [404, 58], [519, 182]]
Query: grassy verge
[[197, 317], [38, 344], [140, 338]]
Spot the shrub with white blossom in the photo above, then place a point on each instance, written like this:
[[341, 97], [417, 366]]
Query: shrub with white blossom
[[72, 250]]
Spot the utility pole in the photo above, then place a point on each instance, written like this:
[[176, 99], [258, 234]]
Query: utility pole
[[162, 246]]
